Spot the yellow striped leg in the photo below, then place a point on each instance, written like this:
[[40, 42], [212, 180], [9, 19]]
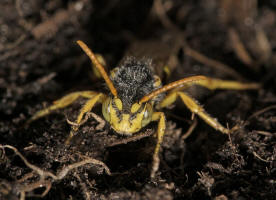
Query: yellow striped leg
[[158, 116], [194, 107], [86, 108], [61, 103], [213, 84]]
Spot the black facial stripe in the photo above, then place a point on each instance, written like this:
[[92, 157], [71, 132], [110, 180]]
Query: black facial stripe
[[141, 108], [118, 112], [133, 115]]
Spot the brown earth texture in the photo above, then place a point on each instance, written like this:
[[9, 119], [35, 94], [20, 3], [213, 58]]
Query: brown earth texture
[[41, 62]]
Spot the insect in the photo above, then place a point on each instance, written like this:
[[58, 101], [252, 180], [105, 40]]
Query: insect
[[136, 98]]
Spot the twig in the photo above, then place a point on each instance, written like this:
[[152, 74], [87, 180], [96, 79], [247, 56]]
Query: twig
[[136, 137], [239, 48], [101, 122], [211, 62], [45, 175], [263, 45], [161, 14], [262, 111], [190, 130], [14, 44], [53, 24], [266, 133], [260, 158], [46, 78]]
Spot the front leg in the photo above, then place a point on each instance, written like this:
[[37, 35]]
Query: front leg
[[158, 116], [86, 108], [194, 107]]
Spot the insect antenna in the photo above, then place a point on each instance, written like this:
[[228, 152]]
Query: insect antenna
[[98, 65], [170, 86]]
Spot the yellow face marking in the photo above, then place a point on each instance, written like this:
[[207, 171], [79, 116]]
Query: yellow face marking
[[126, 123], [135, 107], [127, 126], [118, 103], [106, 108]]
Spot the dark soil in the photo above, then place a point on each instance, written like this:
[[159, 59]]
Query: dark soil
[[40, 62]]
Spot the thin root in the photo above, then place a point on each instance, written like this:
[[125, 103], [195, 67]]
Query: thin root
[[46, 178]]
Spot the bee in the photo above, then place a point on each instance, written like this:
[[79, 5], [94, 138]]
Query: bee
[[137, 97]]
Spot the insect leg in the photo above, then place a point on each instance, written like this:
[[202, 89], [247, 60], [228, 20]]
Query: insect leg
[[158, 116], [61, 103], [194, 107], [213, 84], [199, 110], [86, 108]]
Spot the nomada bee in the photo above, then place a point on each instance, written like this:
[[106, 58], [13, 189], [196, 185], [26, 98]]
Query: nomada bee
[[137, 97]]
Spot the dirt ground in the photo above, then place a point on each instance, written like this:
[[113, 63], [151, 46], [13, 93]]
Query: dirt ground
[[40, 62]]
